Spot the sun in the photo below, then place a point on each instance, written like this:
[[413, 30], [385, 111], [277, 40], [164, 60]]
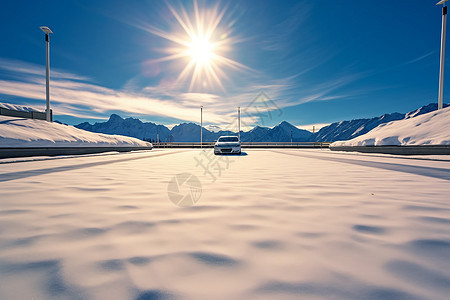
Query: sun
[[201, 50], [201, 43]]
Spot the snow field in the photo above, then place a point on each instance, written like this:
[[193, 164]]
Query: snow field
[[291, 224]]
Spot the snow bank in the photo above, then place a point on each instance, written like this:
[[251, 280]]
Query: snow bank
[[19, 132], [17, 107], [427, 129]]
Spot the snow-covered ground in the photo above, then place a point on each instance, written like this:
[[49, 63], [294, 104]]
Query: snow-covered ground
[[428, 129], [271, 224], [16, 107], [19, 132]]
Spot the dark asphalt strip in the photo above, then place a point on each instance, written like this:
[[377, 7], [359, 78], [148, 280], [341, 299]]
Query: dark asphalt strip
[[30, 173], [439, 173]]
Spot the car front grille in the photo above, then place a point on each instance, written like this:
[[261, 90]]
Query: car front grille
[[226, 150]]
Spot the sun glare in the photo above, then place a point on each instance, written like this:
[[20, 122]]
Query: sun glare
[[201, 51], [200, 43]]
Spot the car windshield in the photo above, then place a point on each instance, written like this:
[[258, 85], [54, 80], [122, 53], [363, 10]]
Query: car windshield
[[228, 139]]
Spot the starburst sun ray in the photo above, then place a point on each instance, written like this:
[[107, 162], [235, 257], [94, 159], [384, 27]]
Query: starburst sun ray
[[201, 45]]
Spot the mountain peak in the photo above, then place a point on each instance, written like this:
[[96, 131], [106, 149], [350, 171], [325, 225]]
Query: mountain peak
[[285, 124], [423, 110], [115, 117]]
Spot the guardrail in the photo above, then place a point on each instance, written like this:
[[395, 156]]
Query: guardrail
[[244, 145], [399, 150], [55, 151], [286, 144]]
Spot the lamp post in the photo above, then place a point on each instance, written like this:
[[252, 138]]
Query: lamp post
[[239, 123], [441, 73], [201, 126], [47, 31]]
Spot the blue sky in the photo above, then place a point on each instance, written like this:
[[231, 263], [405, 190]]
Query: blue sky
[[318, 61]]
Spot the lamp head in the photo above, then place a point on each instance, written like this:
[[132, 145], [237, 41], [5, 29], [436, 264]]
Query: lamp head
[[441, 2], [46, 30]]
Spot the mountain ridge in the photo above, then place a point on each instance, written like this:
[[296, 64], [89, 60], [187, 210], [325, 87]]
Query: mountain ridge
[[346, 130], [190, 132]]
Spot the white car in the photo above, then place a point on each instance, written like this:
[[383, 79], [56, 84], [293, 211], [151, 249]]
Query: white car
[[227, 145]]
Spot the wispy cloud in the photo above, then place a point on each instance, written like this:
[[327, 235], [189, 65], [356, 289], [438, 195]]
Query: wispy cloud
[[294, 91], [280, 37], [419, 58], [17, 68], [73, 95], [76, 96]]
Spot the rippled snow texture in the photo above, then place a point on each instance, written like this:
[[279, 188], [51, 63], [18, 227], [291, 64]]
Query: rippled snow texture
[[285, 224]]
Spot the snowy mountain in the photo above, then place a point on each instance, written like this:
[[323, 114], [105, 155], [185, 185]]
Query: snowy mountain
[[347, 130], [128, 127], [423, 110], [280, 133], [424, 129], [258, 133], [190, 132]]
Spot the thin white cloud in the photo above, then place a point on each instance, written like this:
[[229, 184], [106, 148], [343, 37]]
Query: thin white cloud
[[65, 110], [65, 89], [280, 37], [419, 58], [292, 94], [73, 95], [24, 68]]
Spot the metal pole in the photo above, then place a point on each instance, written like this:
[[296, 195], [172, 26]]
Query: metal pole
[[291, 136], [239, 123], [47, 78], [201, 126], [441, 73]]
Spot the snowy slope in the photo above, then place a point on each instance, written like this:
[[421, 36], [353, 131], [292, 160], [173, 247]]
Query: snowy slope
[[346, 130], [18, 132], [17, 107], [428, 129]]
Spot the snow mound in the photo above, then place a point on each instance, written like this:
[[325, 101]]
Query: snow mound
[[17, 107], [427, 129], [19, 132]]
